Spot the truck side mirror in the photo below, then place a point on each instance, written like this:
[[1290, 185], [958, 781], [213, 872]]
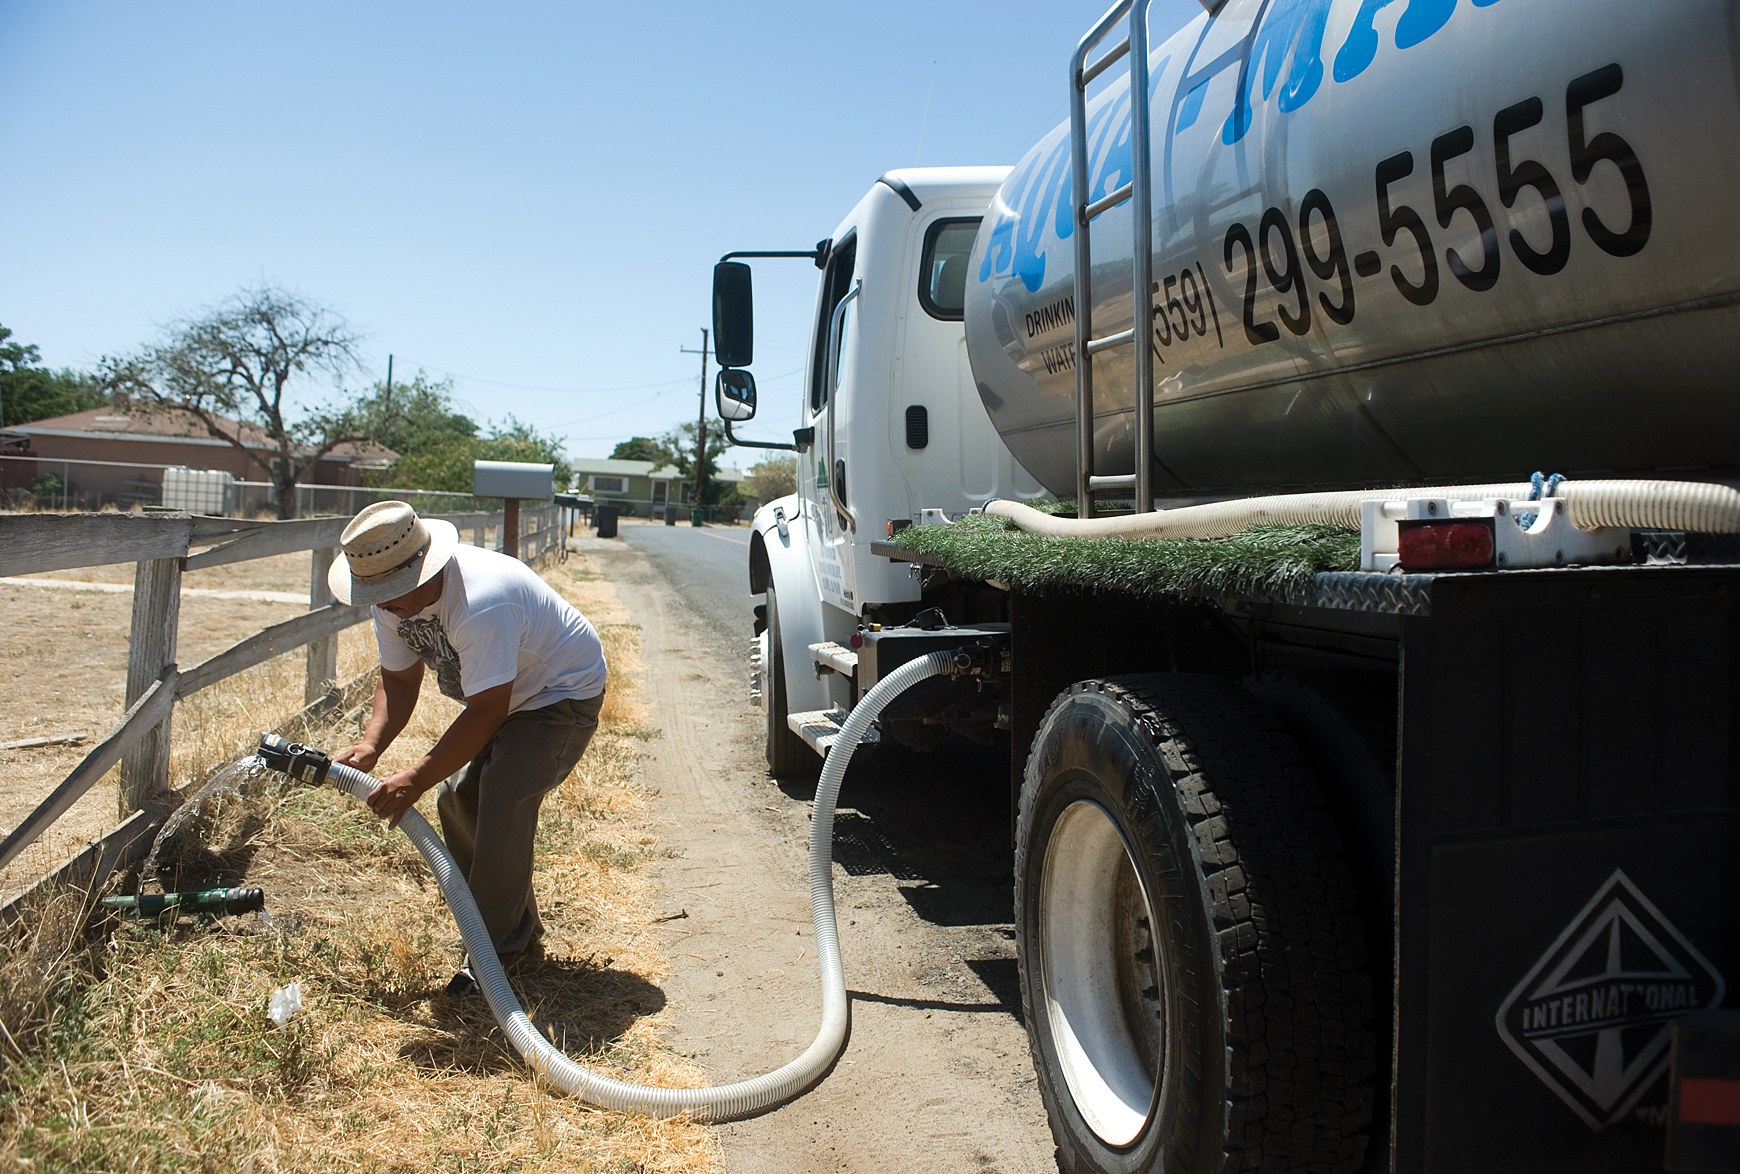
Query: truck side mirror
[[733, 317], [734, 392]]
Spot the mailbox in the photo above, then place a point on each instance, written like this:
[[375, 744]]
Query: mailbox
[[513, 480]]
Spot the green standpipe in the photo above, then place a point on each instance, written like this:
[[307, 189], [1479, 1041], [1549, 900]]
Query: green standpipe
[[208, 901]]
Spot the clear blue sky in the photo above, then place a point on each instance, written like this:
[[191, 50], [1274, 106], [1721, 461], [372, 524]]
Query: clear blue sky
[[525, 197]]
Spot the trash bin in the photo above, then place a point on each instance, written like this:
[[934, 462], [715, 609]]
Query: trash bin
[[670, 515], [606, 521], [697, 516]]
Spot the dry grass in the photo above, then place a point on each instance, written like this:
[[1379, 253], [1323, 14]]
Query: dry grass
[[63, 670], [146, 1046]]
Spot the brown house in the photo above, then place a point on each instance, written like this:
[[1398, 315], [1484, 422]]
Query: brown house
[[111, 455]]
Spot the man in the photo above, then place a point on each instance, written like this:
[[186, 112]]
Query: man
[[528, 668]]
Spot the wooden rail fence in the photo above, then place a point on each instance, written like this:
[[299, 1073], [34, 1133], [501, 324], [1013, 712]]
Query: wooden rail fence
[[162, 544]]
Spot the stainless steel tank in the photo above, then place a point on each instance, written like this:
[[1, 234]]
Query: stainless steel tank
[[1394, 240]]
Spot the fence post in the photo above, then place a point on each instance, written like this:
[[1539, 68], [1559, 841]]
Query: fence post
[[510, 528], [322, 653], [156, 616]]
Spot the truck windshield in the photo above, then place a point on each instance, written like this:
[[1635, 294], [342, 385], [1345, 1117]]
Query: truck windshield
[[942, 282]]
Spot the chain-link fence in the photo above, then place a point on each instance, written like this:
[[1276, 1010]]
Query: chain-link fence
[[33, 482], [256, 497], [57, 483]]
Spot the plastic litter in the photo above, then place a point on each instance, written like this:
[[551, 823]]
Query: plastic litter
[[286, 1001]]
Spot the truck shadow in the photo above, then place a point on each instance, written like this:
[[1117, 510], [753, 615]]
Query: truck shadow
[[937, 821], [999, 975]]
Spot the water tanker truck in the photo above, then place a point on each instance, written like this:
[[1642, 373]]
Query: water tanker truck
[[1375, 801]]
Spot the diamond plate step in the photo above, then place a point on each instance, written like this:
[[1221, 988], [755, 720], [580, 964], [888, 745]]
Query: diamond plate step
[[821, 728], [835, 656]]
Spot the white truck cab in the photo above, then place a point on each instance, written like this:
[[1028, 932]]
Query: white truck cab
[[893, 425]]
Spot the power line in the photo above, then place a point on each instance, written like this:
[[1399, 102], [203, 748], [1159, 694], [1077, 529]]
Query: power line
[[616, 411], [532, 387]]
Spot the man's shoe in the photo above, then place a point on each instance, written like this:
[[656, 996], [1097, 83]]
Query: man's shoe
[[461, 984]]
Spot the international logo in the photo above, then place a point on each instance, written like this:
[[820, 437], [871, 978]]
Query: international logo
[[1591, 1018]]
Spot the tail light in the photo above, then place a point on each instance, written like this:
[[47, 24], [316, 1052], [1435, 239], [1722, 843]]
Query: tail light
[[1436, 546]]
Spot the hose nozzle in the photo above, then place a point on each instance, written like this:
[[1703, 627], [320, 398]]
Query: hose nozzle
[[305, 763]]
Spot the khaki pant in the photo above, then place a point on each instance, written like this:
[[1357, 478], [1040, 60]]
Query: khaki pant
[[489, 813]]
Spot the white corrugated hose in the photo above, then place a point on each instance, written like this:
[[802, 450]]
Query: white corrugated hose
[[726, 1101], [1669, 505]]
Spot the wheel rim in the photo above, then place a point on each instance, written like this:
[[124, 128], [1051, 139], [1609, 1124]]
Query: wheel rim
[[1103, 974]]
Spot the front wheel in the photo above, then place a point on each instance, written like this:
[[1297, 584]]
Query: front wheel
[[1192, 971]]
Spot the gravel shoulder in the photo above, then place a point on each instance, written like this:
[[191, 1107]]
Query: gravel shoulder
[[936, 1073]]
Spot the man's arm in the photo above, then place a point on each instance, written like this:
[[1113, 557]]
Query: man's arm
[[476, 724], [395, 701]]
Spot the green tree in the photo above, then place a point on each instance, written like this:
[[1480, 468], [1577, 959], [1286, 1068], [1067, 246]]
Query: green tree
[[521, 438], [409, 417], [31, 392], [679, 445], [771, 477], [639, 448], [15, 355], [242, 359], [442, 467], [445, 465]]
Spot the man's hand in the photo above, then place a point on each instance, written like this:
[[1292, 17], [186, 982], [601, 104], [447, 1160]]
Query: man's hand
[[395, 700], [395, 795], [476, 724], [362, 756]]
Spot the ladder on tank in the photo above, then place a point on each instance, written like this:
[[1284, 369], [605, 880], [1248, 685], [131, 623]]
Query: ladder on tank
[[1139, 191]]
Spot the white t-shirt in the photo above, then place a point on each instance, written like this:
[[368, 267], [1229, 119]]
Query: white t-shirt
[[497, 621]]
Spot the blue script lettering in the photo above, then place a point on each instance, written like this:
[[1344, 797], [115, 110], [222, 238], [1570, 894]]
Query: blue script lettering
[[1293, 28]]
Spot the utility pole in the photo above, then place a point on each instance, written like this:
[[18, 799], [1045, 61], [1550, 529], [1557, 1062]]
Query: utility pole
[[701, 433]]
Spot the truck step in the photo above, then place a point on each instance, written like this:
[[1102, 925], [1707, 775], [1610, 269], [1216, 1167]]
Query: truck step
[[837, 657], [821, 728]]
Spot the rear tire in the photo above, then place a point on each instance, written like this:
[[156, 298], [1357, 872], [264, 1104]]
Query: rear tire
[[788, 755], [1192, 972]]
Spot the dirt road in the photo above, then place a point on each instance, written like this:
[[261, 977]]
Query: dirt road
[[935, 1076]]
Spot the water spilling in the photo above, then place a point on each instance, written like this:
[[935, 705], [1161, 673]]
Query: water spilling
[[265, 923], [231, 780]]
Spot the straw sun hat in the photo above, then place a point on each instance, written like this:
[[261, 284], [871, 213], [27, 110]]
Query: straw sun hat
[[388, 551]]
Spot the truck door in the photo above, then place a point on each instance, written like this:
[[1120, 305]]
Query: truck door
[[943, 441], [829, 388]]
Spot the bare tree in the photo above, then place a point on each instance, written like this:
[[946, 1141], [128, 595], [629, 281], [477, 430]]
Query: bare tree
[[239, 360]]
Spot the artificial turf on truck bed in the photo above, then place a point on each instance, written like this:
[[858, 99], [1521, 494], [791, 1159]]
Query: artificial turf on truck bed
[[1268, 561]]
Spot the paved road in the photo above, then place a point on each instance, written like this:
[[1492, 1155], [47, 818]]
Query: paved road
[[936, 1075], [709, 568]]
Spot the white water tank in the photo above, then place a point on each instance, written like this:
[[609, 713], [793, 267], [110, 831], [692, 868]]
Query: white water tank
[[198, 491]]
